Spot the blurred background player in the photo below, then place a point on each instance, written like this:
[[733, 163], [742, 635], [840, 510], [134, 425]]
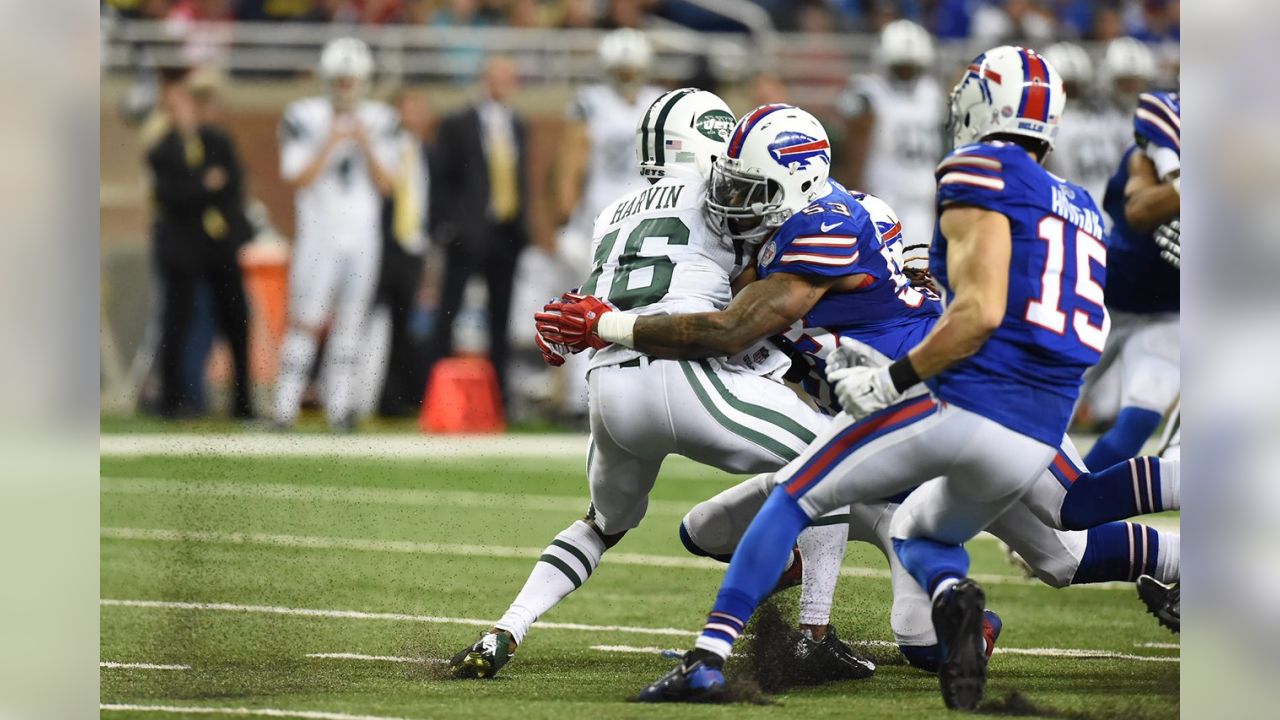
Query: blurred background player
[[597, 165], [1087, 148], [1128, 69], [480, 202], [339, 153], [894, 119], [1143, 294]]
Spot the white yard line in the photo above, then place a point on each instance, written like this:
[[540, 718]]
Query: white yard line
[[377, 658], [360, 615], [242, 711], [492, 551], [141, 666], [1036, 652], [1159, 645], [391, 447]]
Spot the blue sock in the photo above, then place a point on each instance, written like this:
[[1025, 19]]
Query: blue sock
[[1118, 551], [754, 571], [1131, 487], [1124, 440], [692, 547], [930, 562], [924, 657]]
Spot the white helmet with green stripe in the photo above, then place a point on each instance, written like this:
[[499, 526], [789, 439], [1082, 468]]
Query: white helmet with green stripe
[[685, 129]]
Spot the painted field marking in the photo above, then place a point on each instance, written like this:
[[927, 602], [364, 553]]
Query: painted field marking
[[388, 447], [1159, 645], [1035, 652], [395, 617], [140, 666], [494, 551], [377, 658], [243, 711], [670, 632]]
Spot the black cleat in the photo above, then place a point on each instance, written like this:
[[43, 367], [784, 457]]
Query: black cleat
[[958, 621], [830, 659], [484, 658], [698, 678], [1163, 601]]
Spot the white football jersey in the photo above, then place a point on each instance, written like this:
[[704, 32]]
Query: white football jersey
[[342, 205], [611, 127], [655, 256], [1088, 148], [906, 146]]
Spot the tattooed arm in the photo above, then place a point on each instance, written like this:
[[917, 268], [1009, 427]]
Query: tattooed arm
[[761, 309]]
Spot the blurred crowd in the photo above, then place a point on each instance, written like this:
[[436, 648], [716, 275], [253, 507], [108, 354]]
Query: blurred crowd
[[1154, 21]]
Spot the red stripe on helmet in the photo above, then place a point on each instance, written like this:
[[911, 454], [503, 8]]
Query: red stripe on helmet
[[1037, 105], [744, 127]]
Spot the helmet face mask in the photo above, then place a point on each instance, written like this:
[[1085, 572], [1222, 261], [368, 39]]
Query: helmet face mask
[[743, 206]]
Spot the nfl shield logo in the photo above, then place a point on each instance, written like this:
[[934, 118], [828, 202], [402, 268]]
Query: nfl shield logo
[[769, 252]]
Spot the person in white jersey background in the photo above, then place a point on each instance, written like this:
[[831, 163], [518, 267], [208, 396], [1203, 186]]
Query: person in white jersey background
[[893, 133], [339, 153]]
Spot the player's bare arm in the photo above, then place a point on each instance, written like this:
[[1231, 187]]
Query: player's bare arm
[[762, 309], [979, 244], [1148, 202]]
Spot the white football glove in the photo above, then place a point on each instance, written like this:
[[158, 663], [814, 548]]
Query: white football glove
[[861, 388], [1169, 238]]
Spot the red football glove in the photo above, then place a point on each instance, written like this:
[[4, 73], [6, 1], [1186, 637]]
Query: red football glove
[[552, 354], [571, 321]]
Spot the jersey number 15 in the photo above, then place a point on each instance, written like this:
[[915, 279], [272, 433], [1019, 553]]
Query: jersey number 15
[[1046, 311]]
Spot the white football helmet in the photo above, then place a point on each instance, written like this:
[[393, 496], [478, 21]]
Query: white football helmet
[[1007, 90], [777, 162], [625, 48], [1128, 57], [1071, 61], [903, 42], [346, 57], [683, 130]]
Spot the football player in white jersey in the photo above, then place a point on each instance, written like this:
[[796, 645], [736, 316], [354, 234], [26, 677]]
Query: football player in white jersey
[[1088, 147], [894, 120], [1128, 69], [597, 164], [339, 153], [654, 254]]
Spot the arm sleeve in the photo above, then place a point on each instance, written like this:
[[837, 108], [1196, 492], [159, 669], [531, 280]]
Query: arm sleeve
[[175, 183], [974, 175], [389, 141], [578, 110], [1156, 122], [296, 147]]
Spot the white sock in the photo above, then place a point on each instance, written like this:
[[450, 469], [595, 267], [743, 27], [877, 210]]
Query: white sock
[[943, 586], [714, 645], [566, 563], [1169, 560], [296, 355], [1170, 483], [374, 358], [341, 369], [822, 548]]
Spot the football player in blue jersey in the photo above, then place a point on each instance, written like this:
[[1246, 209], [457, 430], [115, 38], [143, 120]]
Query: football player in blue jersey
[[1142, 279], [823, 266], [1019, 255]]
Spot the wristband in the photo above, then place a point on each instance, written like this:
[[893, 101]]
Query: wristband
[[903, 375], [617, 327]]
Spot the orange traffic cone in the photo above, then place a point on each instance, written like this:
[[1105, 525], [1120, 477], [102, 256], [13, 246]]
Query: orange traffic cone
[[462, 397]]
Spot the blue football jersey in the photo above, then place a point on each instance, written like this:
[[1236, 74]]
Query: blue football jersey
[[1138, 281], [838, 235], [1027, 375]]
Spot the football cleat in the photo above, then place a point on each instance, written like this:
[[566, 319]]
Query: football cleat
[[698, 678], [1163, 601], [991, 626], [485, 658], [793, 575], [831, 659], [958, 620]]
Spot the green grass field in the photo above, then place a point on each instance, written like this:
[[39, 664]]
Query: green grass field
[[210, 560]]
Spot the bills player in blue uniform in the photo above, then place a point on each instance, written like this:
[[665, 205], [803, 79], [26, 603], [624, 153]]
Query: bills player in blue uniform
[[817, 273], [1142, 283], [1020, 256]]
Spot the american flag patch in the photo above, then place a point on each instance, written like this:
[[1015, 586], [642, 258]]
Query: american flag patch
[[673, 144]]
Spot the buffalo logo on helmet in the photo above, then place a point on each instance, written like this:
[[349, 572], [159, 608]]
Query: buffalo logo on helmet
[[793, 150], [715, 125]]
